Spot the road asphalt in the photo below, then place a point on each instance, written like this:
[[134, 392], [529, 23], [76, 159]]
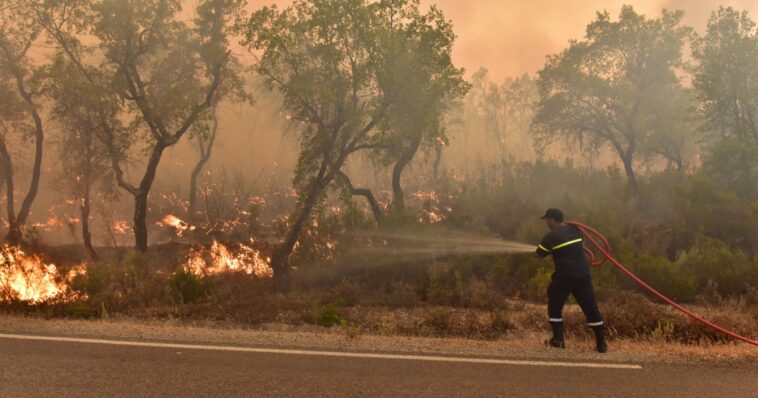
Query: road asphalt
[[44, 368]]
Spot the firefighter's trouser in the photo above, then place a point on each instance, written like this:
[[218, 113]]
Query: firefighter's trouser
[[581, 288]]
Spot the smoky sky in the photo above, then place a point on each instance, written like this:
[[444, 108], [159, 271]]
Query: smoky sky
[[512, 37], [508, 37]]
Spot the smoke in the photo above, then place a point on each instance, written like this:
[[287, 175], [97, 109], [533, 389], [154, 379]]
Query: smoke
[[507, 37], [513, 37], [436, 243]]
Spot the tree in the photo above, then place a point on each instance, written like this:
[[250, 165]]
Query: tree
[[726, 85], [486, 106], [675, 120], [80, 109], [165, 70], [231, 87], [332, 60], [429, 84], [18, 32], [205, 138], [603, 89], [495, 119], [520, 96]]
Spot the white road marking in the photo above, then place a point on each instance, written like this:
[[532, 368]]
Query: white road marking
[[323, 353]]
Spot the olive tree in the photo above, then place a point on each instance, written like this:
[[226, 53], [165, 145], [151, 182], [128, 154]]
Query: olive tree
[[726, 85], [18, 32], [336, 64], [165, 70], [604, 89]]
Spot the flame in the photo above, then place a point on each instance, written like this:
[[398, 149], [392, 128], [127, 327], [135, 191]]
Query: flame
[[219, 259], [176, 222], [121, 227], [28, 278], [51, 222], [431, 217]]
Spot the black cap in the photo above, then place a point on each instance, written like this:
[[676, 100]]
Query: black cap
[[553, 214]]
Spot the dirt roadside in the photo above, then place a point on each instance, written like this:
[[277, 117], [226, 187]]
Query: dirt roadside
[[337, 338]]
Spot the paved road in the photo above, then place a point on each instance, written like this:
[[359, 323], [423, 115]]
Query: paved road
[[31, 368]]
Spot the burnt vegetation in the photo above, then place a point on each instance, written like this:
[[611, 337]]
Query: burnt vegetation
[[127, 187]]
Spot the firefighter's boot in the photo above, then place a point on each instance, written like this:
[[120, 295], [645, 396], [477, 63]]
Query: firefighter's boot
[[600, 332], [557, 340]]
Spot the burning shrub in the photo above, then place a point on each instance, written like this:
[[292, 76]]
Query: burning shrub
[[28, 278], [219, 259]]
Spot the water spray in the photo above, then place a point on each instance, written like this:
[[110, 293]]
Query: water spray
[[597, 247], [448, 243]]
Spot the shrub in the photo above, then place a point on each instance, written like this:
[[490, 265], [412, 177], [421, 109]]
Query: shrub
[[189, 287], [712, 260], [327, 315]]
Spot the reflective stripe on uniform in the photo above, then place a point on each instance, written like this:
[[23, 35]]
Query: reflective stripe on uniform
[[555, 319], [595, 323], [543, 248], [571, 242]]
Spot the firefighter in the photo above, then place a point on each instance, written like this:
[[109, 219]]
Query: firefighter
[[572, 276]]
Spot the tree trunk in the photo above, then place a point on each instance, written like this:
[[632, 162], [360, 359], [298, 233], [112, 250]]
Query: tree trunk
[[140, 199], [205, 149], [140, 221], [18, 220], [282, 253], [365, 192], [85, 212], [630, 173], [39, 136], [437, 160], [26, 205], [398, 196], [14, 230], [327, 172]]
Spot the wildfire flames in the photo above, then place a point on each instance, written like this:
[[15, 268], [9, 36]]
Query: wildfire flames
[[219, 259], [27, 278], [180, 225]]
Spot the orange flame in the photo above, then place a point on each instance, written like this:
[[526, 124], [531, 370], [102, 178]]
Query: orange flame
[[121, 227], [219, 259], [28, 278], [176, 222]]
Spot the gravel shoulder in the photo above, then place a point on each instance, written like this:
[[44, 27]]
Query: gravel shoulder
[[529, 346]]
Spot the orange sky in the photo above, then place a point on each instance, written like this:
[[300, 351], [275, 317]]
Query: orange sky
[[510, 37]]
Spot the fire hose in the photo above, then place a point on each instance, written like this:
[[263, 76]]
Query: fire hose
[[601, 244]]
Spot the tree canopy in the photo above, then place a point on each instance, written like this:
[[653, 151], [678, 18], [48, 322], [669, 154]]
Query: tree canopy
[[343, 68], [606, 88]]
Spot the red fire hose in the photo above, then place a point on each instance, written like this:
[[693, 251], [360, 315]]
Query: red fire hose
[[600, 243]]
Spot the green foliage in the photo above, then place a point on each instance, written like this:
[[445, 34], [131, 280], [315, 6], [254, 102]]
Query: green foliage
[[617, 88], [119, 285], [327, 315], [711, 260], [344, 68], [726, 83], [668, 277], [189, 287], [726, 77]]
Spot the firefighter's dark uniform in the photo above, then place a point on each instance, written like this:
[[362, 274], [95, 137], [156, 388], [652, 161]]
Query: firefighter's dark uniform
[[571, 276]]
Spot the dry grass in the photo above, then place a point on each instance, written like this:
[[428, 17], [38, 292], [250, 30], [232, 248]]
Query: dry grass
[[397, 300]]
